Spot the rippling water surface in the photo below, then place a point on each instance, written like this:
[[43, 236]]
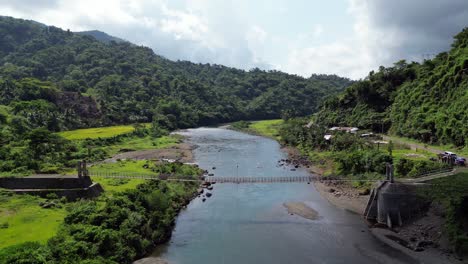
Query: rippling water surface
[[247, 223]]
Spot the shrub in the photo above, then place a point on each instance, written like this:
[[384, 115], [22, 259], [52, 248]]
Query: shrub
[[29, 252], [411, 168]]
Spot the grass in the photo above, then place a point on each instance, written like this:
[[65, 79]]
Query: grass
[[421, 154], [450, 187], [144, 143], [268, 128], [459, 151], [22, 220], [452, 192], [99, 132], [124, 167], [323, 160], [127, 167], [117, 185]]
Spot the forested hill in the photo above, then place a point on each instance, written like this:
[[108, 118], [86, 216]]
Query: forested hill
[[427, 101], [60, 80], [101, 36]]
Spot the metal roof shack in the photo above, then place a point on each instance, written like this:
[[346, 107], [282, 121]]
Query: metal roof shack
[[345, 129]]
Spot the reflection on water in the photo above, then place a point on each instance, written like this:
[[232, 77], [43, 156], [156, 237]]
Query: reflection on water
[[248, 223]]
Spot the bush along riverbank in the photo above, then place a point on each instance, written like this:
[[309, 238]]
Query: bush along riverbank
[[116, 228], [355, 158], [440, 232]]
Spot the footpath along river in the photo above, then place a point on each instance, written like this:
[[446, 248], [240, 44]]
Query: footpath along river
[[249, 223]]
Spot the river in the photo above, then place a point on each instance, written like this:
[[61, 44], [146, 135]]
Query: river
[[248, 223]]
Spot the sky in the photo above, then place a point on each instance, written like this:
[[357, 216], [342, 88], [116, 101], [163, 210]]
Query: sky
[[344, 37]]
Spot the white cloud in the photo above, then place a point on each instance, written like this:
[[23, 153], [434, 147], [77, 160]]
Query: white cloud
[[317, 31], [334, 58], [384, 32], [233, 32]]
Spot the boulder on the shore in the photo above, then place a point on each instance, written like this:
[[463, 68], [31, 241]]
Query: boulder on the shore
[[365, 192]]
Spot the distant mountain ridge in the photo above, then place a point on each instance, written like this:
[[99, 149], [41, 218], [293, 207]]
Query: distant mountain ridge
[[128, 83], [101, 36], [427, 101]]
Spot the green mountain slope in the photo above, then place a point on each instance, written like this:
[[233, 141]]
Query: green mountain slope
[[427, 101], [101, 36], [84, 82]]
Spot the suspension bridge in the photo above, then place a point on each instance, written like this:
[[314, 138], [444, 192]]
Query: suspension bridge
[[226, 179], [83, 171]]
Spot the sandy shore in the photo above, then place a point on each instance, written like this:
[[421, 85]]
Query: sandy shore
[[342, 196], [181, 152], [302, 209], [337, 193], [428, 229]]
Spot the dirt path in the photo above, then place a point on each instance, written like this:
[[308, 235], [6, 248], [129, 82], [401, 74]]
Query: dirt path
[[412, 145]]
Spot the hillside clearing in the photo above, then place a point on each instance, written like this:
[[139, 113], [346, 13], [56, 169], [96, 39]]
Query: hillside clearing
[[98, 132], [22, 219]]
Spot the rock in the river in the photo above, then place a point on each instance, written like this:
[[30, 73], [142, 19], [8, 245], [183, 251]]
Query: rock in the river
[[364, 192], [208, 194]]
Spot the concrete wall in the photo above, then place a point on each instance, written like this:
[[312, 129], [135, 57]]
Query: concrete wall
[[395, 204], [72, 188], [71, 194], [45, 183]]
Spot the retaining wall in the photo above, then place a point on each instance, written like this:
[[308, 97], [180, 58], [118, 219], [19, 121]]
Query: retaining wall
[[45, 183], [71, 188], [395, 204]]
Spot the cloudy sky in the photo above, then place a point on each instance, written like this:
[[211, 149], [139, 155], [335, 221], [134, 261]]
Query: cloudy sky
[[344, 37]]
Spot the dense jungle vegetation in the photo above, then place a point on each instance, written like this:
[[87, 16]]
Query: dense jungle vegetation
[[426, 101], [72, 81], [117, 228], [53, 80]]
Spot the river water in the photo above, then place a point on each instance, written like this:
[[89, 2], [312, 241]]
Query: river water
[[248, 223]]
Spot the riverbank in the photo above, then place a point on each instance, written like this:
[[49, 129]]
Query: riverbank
[[425, 234], [340, 194]]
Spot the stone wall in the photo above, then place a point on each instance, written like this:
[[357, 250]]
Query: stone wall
[[72, 188], [394, 204], [45, 183], [71, 194]]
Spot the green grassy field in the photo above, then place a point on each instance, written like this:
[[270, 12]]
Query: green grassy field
[[399, 153], [452, 192], [459, 151], [98, 132], [124, 167], [117, 185], [268, 128], [127, 167], [144, 143], [22, 219]]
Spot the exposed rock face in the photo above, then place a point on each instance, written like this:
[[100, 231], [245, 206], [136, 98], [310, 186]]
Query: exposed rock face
[[83, 107]]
